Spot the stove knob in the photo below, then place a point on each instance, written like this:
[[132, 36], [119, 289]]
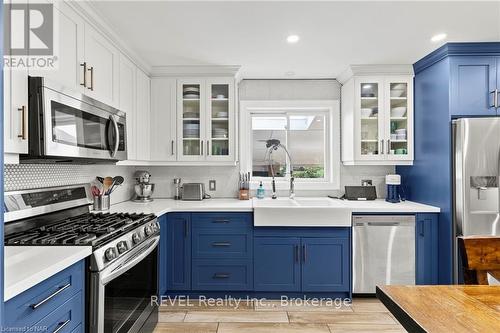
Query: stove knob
[[110, 254], [157, 225], [148, 230], [136, 237], [122, 246]]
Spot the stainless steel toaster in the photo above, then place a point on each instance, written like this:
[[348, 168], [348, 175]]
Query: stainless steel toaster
[[193, 191]]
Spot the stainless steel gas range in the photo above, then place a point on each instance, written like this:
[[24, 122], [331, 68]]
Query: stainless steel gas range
[[122, 270]]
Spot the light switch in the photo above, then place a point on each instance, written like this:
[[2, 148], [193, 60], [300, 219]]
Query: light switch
[[211, 185]]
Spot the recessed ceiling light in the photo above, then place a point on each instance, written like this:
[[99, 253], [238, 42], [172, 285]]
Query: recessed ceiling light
[[292, 39], [438, 38]]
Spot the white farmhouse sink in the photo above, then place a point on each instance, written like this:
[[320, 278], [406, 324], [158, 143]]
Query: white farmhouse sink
[[301, 212]]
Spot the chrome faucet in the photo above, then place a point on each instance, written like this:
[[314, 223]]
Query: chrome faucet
[[273, 145]]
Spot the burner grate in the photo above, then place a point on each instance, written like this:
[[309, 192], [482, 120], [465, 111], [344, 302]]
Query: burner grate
[[85, 229]]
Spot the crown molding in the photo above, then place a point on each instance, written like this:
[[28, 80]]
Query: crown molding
[[368, 70], [195, 70], [457, 49], [87, 10]]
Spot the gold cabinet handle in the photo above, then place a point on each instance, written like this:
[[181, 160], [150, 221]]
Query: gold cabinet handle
[[91, 70], [23, 122], [84, 65]]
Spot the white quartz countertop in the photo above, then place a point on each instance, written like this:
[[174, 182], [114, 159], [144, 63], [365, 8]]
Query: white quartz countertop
[[26, 266], [163, 206], [382, 206]]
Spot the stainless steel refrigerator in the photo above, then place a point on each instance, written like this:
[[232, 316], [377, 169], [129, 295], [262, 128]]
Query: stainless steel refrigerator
[[476, 177]]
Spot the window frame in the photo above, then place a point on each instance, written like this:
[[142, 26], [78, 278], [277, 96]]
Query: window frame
[[330, 108]]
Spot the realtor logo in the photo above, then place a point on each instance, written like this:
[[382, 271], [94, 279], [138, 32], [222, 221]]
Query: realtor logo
[[29, 36], [29, 29]]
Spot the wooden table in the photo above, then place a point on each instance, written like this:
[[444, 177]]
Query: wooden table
[[444, 308]]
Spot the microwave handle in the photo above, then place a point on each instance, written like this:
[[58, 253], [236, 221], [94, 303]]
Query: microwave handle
[[117, 136]]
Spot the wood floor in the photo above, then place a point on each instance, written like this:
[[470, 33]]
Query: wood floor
[[362, 316]]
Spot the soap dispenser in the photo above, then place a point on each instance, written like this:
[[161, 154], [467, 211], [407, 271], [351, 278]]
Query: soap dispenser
[[260, 191]]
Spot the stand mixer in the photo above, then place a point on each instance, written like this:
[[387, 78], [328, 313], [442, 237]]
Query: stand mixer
[[143, 189]]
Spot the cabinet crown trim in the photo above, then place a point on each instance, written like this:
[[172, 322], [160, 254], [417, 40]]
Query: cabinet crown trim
[[195, 71], [374, 70], [457, 49]]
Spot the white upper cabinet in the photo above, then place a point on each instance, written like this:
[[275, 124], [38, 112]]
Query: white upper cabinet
[[127, 104], [15, 103], [377, 115], [102, 67], [205, 119], [143, 106], [15, 111], [69, 71], [163, 117], [220, 120]]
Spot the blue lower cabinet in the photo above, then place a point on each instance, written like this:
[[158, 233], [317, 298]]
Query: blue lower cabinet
[[209, 243], [276, 264], [178, 251], [65, 318], [426, 251], [325, 264], [162, 255], [287, 263], [54, 302], [222, 275]]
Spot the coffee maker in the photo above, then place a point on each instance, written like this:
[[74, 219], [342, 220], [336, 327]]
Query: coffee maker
[[144, 188], [393, 183]]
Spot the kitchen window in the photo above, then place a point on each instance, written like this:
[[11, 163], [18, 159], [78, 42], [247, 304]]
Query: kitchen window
[[310, 132]]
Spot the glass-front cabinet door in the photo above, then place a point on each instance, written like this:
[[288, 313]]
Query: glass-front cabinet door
[[219, 120], [370, 138], [399, 118], [190, 115], [205, 113]]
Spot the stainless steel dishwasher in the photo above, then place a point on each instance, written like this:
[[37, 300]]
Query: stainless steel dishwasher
[[383, 251]]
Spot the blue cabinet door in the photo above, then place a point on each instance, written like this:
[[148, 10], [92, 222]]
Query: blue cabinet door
[[163, 256], [178, 251], [426, 242], [325, 264], [473, 79], [276, 264]]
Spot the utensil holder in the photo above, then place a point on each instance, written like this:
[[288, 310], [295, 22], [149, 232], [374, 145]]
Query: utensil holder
[[244, 195], [102, 202]]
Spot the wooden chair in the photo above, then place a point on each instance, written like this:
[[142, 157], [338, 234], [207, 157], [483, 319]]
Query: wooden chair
[[480, 255]]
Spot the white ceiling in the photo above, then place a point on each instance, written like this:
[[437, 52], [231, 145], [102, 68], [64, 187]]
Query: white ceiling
[[333, 34]]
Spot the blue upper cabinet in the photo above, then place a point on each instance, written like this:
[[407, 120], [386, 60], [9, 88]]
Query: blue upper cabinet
[[454, 81], [325, 264], [178, 251], [473, 84], [277, 264]]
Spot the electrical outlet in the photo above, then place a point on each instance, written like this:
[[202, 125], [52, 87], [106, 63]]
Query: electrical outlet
[[366, 182], [211, 185]]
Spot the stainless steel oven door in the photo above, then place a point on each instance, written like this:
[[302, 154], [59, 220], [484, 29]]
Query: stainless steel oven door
[[120, 294], [81, 127]]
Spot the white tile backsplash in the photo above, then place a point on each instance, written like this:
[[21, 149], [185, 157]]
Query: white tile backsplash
[[227, 179], [28, 176]]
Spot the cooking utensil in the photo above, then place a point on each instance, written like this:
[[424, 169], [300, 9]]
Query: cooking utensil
[[117, 181], [99, 187], [107, 183]]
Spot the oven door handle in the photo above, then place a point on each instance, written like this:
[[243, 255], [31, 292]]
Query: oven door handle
[[130, 261], [117, 136]]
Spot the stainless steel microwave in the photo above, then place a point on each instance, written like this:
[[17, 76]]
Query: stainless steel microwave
[[66, 126]]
